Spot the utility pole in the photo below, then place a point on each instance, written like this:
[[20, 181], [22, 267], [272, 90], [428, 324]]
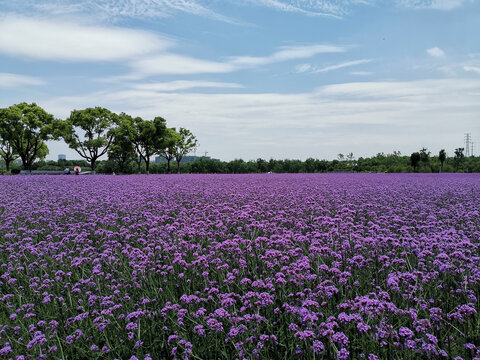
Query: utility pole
[[468, 143]]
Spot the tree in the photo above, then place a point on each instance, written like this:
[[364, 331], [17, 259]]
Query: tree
[[90, 132], [25, 127], [8, 153], [458, 157], [185, 143], [424, 156], [122, 150], [147, 137], [167, 148], [442, 156], [310, 165], [414, 160], [350, 159]]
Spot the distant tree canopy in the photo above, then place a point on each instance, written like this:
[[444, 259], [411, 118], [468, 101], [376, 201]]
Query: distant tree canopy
[[394, 163]]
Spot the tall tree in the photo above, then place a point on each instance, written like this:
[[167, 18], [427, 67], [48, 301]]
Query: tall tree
[[424, 155], [90, 132], [25, 127], [167, 147], [414, 160], [458, 158], [148, 137], [122, 150], [442, 156], [186, 142]]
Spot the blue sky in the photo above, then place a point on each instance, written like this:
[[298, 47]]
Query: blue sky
[[256, 78]]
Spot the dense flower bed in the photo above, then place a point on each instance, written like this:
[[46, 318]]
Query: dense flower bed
[[344, 266]]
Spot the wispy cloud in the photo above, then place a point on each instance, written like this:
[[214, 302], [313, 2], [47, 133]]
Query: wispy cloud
[[52, 40], [330, 8], [288, 7], [184, 85], [288, 53], [116, 9], [167, 63], [361, 73], [433, 4], [435, 52], [314, 69], [172, 64], [147, 53], [8, 80], [475, 69]]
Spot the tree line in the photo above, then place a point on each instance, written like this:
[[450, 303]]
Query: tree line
[[130, 143], [393, 163], [92, 133]]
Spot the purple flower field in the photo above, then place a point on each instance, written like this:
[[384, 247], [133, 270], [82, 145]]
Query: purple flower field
[[346, 266]]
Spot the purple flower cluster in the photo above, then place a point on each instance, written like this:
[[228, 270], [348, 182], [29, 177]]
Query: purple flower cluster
[[343, 266]]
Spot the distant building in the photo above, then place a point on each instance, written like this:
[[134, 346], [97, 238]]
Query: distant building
[[158, 159], [62, 157]]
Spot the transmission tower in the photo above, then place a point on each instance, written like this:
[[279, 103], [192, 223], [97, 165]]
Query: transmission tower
[[468, 143]]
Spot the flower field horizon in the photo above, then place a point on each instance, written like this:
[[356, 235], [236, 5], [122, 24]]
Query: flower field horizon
[[264, 266]]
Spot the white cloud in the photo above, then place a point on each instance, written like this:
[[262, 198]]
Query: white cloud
[[331, 8], [361, 73], [8, 80], [313, 69], [146, 52], [303, 68], [113, 9], [162, 64], [433, 4], [288, 7], [475, 69], [177, 64], [435, 52], [343, 65], [184, 85], [287, 53], [47, 39], [368, 116]]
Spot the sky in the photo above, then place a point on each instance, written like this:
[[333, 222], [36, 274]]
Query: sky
[[256, 78]]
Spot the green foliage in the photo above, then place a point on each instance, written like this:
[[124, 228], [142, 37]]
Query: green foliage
[[424, 155], [89, 132], [186, 142], [122, 151], [458, 159], [168, 148], [8, 153], [415, 159], [26, 127], [148, 137], [442, 156]]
